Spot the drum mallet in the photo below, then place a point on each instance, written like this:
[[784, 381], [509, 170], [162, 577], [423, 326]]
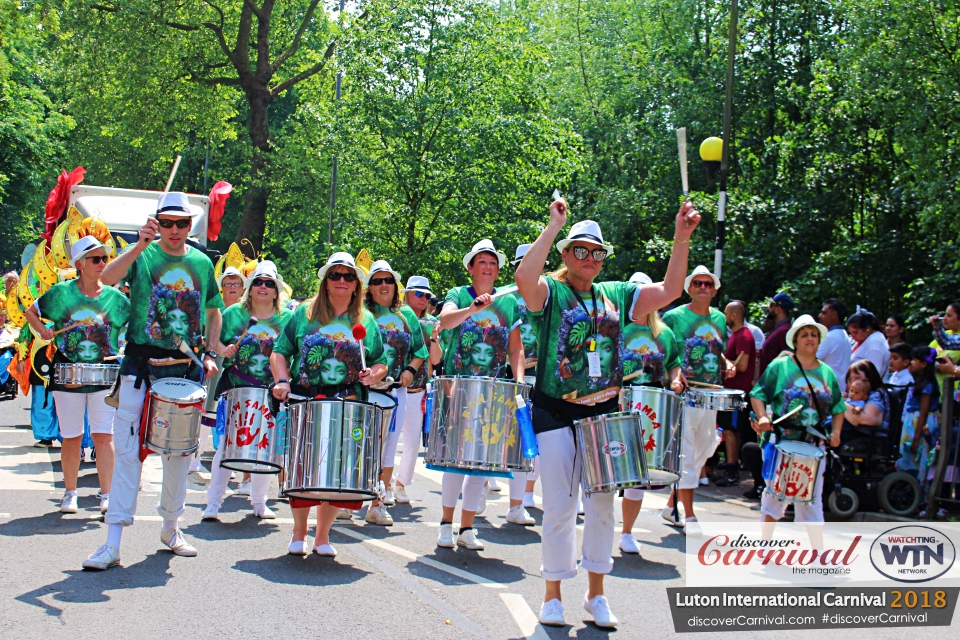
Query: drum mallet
[[253, 321], [359, 333], [186, 350], [67, 328]]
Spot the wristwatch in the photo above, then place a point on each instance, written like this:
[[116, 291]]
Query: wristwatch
[[210, 353], [282, 381], [412, 371]]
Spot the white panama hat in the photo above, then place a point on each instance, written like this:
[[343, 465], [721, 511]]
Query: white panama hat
[[231, 271], [484, 246], [700, 270], [340, 258], [267, 270], [175, 203], [521, 251], [82, 247], [585, 231], [381, 266], [640, 278], [806, 320], [418, 283]]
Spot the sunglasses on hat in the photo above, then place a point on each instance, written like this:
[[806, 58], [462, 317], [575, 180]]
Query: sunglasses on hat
[[375, 282], [581, 253], [167, 223], [260, 282], [337, 276]]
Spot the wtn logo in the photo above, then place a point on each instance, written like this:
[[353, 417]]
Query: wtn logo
[[912, 553]]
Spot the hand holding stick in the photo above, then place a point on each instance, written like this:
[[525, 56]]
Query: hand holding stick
[[67, 328]]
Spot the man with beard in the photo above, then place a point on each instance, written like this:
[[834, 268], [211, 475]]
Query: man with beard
[[776, 343]]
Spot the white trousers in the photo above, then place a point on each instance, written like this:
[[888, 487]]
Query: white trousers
[[808, 512], [412, 430], [126, 472], [204, 436], [71, 408], [220, 476], [472, 486], [393, 437], [633, 494], [560, 474], [700, 440]]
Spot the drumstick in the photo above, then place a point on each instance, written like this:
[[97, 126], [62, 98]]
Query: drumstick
[[173, 173], [633, 375], [787, 415], [166, 362], [704, 384], [67, 328], [253, 321], [501, 293], [682, 148], [116, 357], [186, 350], [359, 333]]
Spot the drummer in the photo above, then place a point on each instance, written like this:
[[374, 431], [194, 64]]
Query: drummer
[[88, 318], [247, 364], [786, 384], [173, 298], [579, 375], [416, 296], [701, 332], [317, 356], [404, 352], [652, 360]]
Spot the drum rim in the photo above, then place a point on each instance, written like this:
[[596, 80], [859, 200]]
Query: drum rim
[[658, 390], [780, 447], [186, 401], [274, 468], [715, 392], [343, 400], [484, 379], [616, 414], [503, 468], [385, 395], [351, 492]]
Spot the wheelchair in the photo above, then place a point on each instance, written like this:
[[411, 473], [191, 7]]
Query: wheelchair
[[862, 473]]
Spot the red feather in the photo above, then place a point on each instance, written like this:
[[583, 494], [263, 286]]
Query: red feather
[[218, 200], [58, 199]]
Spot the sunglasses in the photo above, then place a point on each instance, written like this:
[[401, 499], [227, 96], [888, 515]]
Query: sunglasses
[[376, 282], [581, 253], [420, 294], [337, 276], [269, 284], [167, 223], [96, 259], [702, 284]]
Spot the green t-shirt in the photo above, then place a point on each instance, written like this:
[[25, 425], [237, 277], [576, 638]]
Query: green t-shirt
[[480, 346], [102, 320], [528, 334], [954, 355], [564, 330], [651, 358], [701, 341], [402, 338], [253, 356], [327, 355], [783, 387], [426, 328], [170, 296]]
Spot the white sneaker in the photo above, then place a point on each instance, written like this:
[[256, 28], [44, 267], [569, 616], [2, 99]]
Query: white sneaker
[[378, 515], [244, 488], [212, 512], [388, 497], [528, 501], [104, 503], [629, 544], [178, 543], [326, 551], [667, 514], [599, 608], [103, 558], [445, 539], [551, 613], [469, 540], [493, 485], [400, 494], [691, 527], [195, 466], [704, 482], [483, 500], [264, 512], [345, 514], [69, 503], [297, 548], [519, 515]]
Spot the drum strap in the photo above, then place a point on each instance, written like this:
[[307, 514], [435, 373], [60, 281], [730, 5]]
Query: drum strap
[[813, 395], [253, 382], [140, 355], [568, 412]]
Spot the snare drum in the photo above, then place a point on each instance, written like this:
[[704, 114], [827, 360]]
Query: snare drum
[[333, 451], [715, 399], [80, 374], [473, 425], [796, 471], [252, 441], [173, 416], [660, 430], [613, 454]]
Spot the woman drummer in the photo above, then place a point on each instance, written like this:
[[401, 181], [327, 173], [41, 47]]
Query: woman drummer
[[259, 319], [801, 381], [652, 361], [326, 363], [87, 320], [404, 353]]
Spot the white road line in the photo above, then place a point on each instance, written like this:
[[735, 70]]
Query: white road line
[[410, 555], [4, 515], [523, 615]]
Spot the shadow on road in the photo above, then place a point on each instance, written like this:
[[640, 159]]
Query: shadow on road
[[310, 570], [52, 523]]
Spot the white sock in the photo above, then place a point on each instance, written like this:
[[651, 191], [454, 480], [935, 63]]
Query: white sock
[[114, 531], [170, 525], [104, 496], [528, 494], [70, 493]]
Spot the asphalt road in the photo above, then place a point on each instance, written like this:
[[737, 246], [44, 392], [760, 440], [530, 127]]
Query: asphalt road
[[386, 582]]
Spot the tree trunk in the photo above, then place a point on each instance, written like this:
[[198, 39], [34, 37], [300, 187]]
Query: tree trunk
[[254, 220]]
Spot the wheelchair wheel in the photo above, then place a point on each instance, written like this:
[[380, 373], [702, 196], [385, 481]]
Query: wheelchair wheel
[[899, 494], [843, 503]]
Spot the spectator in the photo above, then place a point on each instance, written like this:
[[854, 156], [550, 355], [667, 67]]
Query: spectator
[[898, 374], [834, 351], [757, 334], [895, 330], [871, 344], [875, 416], [947, 356], [742, 353], [919, 413], [10, 281], [776, 343]]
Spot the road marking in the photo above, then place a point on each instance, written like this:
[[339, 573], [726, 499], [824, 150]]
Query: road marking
[[4, 515], [29, 470], [410, 555], [522, 614]]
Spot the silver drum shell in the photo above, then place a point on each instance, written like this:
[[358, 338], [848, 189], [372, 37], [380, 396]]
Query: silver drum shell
[[173, 417], [613, 457], [715, 399], [79, 373], [263, 441], [333, 450], [661, 430], [796, 472], [473, 425]]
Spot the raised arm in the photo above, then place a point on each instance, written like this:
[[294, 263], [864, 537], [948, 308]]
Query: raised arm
[[118, 267], [532, 287], [660, 294]]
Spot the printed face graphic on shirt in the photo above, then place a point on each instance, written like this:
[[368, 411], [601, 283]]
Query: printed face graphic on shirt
[[174, 308], [643, 354], [574, 342], [87, 343], [701, 354], [329, 357], [396, 342], [253, 355], [798, 394], [482, 350], [528, 335]]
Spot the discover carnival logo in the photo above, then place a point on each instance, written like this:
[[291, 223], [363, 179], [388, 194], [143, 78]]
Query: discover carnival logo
[[723, 550], [912, 553]]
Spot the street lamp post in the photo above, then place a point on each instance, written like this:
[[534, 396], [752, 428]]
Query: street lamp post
[[333, 168]]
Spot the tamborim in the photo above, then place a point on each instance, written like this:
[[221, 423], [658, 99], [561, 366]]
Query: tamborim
[[80, 374], [474, 424], [796, 471], [612, 452], [173, 416], [716, 399], [253, 443], [658, 411]]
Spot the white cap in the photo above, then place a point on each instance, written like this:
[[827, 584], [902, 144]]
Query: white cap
[[585, 231], [418, 283], [484, 246], [640, 278], [806, 320], [82, 247], [700, 271], [340, 258], [175, 203], [378, 266], [521, 251], [231, 271]]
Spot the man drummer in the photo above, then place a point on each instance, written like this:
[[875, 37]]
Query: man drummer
[[701, 332], [480, 334], [579, 375], [173, 298]]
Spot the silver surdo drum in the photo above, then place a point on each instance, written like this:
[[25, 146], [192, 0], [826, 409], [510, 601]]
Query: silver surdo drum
[[473, 425], [613, 455], [716, 399], [81, 374], [333, 450], [661, 431], [172, 419], [253, 442], [796, 470]]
